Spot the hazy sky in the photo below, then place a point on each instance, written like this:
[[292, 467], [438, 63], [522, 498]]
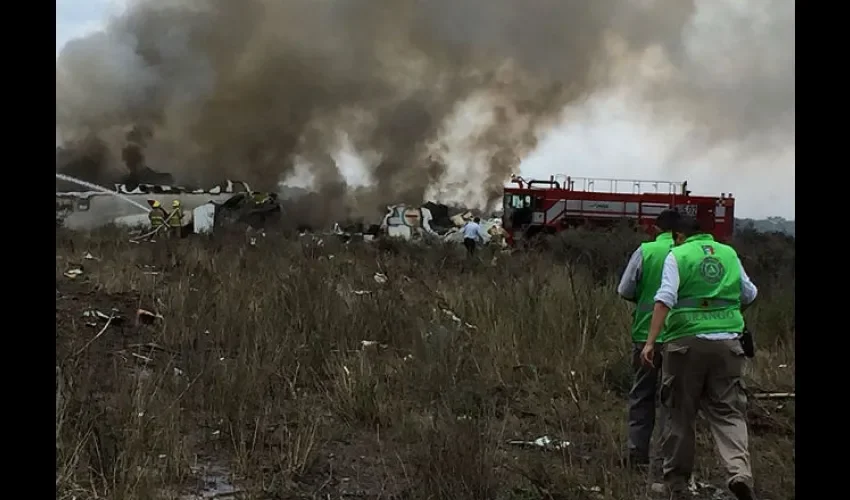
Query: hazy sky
[[609, 135]]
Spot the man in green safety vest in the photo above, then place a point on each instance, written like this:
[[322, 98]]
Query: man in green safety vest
[[698, 306], [639, 283]]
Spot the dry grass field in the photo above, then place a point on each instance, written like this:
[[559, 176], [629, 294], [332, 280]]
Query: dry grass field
[[307, 369]]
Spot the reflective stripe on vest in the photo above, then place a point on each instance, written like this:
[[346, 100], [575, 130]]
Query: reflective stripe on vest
[[709, 290], [691, 304], [156, 217], [704, 303]]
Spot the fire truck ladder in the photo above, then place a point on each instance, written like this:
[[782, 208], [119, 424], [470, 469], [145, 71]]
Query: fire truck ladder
[[633, 186]]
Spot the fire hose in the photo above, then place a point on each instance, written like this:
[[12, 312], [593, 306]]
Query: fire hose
[[149, 234]]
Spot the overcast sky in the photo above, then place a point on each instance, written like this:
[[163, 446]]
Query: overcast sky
[[605, 138]]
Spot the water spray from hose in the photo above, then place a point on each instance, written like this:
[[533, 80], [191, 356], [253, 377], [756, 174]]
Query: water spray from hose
[[102, 189]]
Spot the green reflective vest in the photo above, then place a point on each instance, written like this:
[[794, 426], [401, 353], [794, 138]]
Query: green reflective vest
[[709, 290], [653, 254]]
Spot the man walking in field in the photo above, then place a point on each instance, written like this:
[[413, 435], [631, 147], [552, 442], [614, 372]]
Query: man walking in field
[[639, 283], [698, 306], [472, 232]]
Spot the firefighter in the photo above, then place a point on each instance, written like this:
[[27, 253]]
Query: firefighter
[[175, 218], [703, 291], [157, 214], [638, 284], [472, 233], [260, 199]]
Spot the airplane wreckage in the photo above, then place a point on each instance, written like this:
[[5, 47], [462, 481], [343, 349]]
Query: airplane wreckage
[[202, 208], [233, 203]]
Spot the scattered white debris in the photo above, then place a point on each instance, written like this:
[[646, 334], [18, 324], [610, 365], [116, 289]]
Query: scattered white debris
[[89, 256], [380, 278], [695, 486], [775, 395], [361, 292], [454, 317], [372, 343], [95, 314], [542, 442], [783, 366], [73, 273], [214, 483]]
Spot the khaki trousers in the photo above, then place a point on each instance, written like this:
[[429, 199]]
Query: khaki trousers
[[699, 374]]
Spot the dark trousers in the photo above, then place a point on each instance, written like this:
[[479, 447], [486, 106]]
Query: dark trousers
[[469, 243], [642, 400]]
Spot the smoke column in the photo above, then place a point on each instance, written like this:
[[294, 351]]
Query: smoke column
[[438, 98], [718, 110]]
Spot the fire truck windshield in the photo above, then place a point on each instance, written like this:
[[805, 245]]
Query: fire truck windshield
[[517, 201]]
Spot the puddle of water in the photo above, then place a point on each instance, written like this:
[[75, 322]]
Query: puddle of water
[[213, 482], [210, 482]]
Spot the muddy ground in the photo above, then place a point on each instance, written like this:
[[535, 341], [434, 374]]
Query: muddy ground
[[251, 373]]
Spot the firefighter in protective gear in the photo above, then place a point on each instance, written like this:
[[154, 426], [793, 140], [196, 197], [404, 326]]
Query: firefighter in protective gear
[[175, 218], [157, 214], [260, 198]]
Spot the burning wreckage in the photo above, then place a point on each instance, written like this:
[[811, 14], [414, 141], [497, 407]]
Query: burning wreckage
[[203, 209], [234, 203], [431, 221]]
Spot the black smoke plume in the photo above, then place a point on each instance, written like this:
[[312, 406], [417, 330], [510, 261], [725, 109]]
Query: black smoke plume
[[442, 96]]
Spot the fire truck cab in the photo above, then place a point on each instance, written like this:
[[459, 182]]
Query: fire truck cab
[[534, 207]]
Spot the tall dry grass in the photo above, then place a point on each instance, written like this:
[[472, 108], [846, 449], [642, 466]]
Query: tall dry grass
[[291, 364]]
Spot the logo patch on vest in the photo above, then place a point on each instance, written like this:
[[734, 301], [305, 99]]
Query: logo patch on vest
[[711, 270]]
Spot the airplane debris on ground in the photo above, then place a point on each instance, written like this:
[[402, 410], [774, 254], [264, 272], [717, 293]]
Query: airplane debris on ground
[[74, 272], [775, 395], [544, 442]]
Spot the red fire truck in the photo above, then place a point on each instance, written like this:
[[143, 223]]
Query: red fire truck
[[537, 207]]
